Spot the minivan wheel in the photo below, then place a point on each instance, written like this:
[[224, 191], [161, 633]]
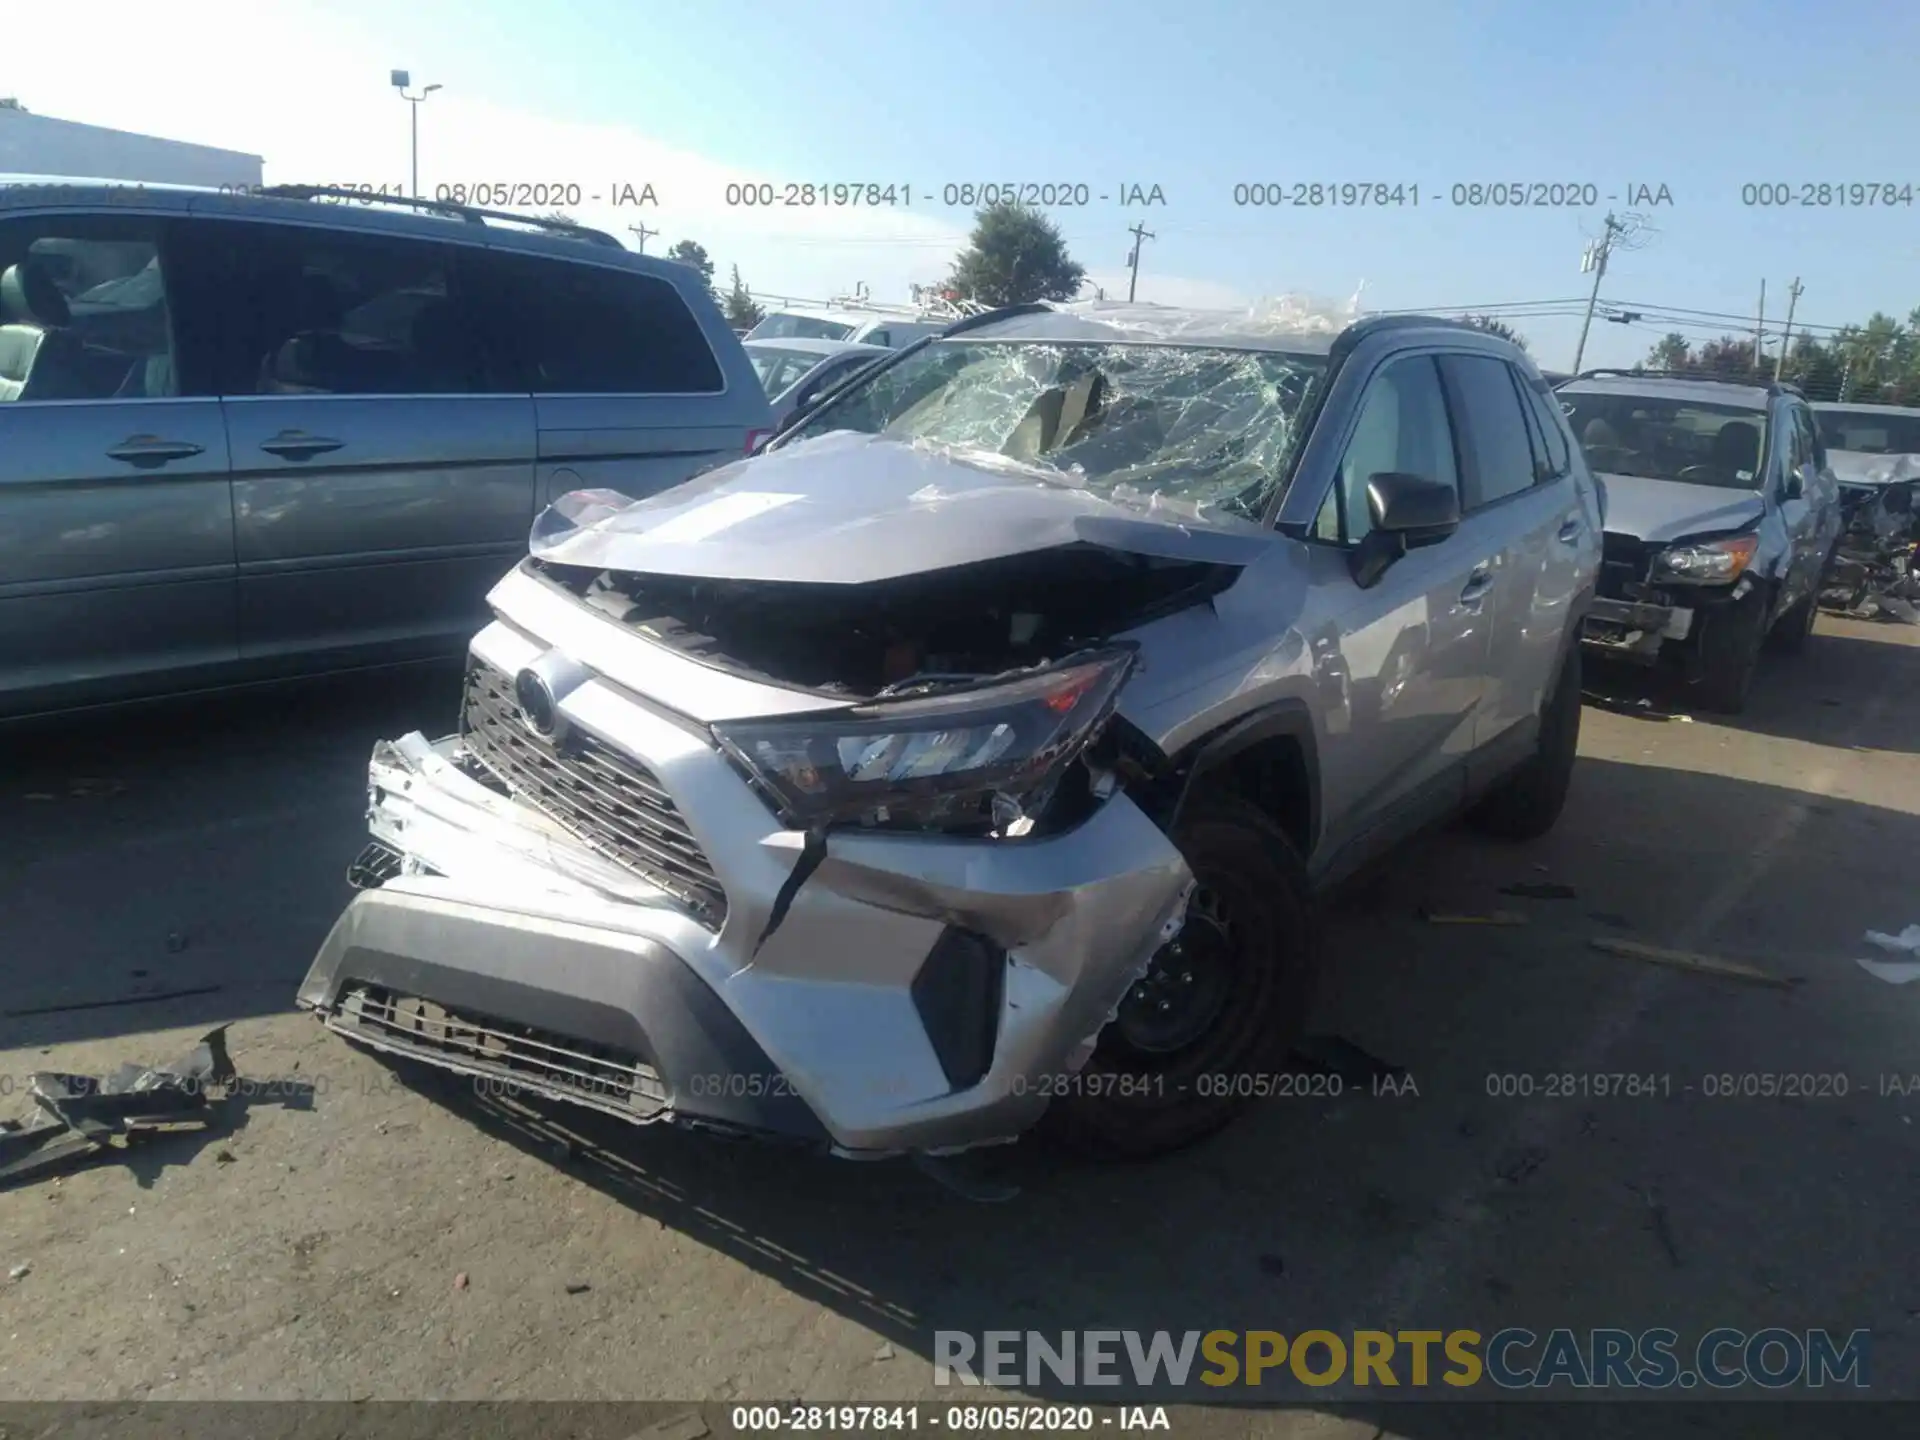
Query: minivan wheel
[[1219, 1007], [1526, 804]]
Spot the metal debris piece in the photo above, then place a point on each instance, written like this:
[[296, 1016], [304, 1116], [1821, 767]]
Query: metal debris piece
[[1541, 890], [20, 1272], [885, 1352], [86, 1116], [578, 1287], [1687, 960], [1492, 917]]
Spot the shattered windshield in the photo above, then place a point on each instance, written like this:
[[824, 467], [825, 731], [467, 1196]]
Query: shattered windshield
[[1656, 439], [1870, 432], [1206, 425]]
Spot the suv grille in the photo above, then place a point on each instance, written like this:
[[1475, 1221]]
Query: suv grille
[[611, 802], [1624, 561], [518, 1054]]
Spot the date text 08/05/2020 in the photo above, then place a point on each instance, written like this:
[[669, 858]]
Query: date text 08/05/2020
[[480, 194], [969, 194]]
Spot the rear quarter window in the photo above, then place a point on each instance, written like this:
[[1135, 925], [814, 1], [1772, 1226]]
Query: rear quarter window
[[596, 330]]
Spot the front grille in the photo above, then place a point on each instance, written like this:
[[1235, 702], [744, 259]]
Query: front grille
[[536, 1059], [1624, 561], [611, 802]]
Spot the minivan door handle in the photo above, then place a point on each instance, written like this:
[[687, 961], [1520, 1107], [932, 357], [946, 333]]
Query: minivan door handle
[[298, 445], [152, 450], [1477, 586], [1570, 529]]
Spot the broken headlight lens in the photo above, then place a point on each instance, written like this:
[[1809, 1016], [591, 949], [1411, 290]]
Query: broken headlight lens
[[980, 759], [1713, 563]]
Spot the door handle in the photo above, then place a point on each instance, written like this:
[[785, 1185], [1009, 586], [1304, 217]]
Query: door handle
[[1477, 586], [1569, 530], [298, 445], [152, 450]]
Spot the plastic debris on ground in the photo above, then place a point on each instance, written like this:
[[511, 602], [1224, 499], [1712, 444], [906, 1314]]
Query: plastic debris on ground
[[83, 1117], [1894, 972]]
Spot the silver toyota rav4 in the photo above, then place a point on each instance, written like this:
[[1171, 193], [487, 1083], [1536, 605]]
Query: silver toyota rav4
[[972, 757]]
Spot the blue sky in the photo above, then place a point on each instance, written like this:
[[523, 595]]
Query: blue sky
[[1192, 95]]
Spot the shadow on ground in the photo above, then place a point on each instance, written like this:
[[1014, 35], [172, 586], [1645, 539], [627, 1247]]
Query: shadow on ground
[[1815, 696], [1294, 1217]]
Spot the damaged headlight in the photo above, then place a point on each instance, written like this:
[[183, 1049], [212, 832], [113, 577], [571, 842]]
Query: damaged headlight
[[981, 759], [1714, 562]]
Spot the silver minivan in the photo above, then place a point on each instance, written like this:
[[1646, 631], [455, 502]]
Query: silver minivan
[[244, 436]]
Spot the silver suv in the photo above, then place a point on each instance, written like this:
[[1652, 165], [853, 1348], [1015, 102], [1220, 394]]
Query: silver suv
[[249, 435], [975, 754]]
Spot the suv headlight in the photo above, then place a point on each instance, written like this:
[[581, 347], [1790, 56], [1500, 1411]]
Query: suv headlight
[[1714, 562], [979, 759]]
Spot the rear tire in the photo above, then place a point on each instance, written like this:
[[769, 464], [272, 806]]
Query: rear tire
[[1526, 804], [1247, 961]]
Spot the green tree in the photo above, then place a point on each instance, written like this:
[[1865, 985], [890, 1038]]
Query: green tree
[[742, 311], [1671, 353], [690, 252], [1493, 325], [1015, 256]]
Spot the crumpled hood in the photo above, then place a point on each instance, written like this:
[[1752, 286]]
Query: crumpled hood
[[1668, 510], [1859, 467], [851, 509]]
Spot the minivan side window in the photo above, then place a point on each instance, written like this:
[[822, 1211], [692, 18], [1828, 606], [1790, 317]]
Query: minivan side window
[[1500, 454], [321, 312], [84, 311], [578, 329], [1402, 427]]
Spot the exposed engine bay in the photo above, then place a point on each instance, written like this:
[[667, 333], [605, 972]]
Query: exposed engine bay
[[1875, 570], [909, 635]]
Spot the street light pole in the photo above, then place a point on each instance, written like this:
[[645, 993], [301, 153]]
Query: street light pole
[[401, 80]]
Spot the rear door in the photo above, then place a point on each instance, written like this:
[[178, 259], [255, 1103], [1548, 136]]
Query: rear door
[[1517, 483], [116, 523], [383, 468], [1413, 648], [634, 388]]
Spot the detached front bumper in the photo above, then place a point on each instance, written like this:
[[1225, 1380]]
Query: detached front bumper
[[916, 994], [1635, 629]]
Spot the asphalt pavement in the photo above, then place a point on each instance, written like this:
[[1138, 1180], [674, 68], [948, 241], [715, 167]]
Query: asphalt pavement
[[372, 1231]]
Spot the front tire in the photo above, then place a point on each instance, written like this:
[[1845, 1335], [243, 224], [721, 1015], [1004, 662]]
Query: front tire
[[1219, 1007], [1527, 804], [1730, 655]]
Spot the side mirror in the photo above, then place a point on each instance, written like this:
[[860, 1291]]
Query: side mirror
[[1408, 511], [1794, 487]]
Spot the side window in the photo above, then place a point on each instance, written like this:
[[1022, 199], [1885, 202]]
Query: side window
[[1556, 458], [326, 313], [1402, 427], [877, 337], [1809, 436], [1500, 458], [84, 311], [595, 330]]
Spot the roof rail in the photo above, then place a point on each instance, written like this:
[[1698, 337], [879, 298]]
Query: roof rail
[[1708, 377], [984, 316], [471, 214], [1404, 320]]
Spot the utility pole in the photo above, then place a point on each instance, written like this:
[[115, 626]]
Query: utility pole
[[640, 234], [1760, 325], [1793, 299], [1139, 233], [1595, 260]]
